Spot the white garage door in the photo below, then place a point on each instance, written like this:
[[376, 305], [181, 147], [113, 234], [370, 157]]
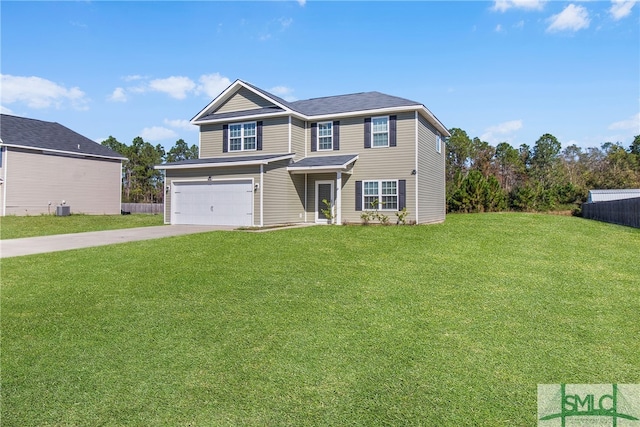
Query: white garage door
[[213, 203]]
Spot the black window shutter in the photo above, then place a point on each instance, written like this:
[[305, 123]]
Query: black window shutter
[[225, 138], [358, 195], [259, 136], [392, 131], [367, 132], [314, 137], [336, 135], [402, 194]]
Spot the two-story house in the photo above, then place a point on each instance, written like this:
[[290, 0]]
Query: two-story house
[[265, 161]]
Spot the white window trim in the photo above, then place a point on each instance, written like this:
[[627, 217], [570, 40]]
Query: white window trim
[[330, 136], [438, 142], [375, 133], [242, 136], [366, 206]]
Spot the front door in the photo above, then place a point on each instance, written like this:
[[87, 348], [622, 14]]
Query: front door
[[324, 192]]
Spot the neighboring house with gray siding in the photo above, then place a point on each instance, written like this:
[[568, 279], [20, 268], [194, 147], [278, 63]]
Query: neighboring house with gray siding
[[266, 161], [44, 163]]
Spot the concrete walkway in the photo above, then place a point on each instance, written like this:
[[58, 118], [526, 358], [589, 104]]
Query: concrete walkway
[[63, 242]]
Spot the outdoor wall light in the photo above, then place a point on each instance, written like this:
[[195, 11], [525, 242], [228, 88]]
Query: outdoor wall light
[[255, 187], [413, 172]]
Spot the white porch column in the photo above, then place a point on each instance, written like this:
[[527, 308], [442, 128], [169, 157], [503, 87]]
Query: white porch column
[[339, 198]]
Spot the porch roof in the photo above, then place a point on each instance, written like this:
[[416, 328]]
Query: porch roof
[[319, 164], [226, 161]]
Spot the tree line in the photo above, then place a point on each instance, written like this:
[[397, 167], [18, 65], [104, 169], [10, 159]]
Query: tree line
[[483, 178], [479, 176], [141, 183]]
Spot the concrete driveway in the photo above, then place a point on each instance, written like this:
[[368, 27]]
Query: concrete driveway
[[63, 242]]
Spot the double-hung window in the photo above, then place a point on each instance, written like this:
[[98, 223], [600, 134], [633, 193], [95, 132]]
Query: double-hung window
[[438, 143], [382, 195], [325, 136], [380, 131], [242, 137]]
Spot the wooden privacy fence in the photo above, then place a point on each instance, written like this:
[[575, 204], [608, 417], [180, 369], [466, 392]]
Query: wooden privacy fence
[[147, 208], [623, 212]]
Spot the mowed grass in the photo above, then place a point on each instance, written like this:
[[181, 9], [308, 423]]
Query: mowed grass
[[14, 227], [444, 325]]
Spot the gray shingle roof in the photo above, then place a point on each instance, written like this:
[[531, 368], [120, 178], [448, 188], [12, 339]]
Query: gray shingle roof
[[324, 161], [42, 135], [348, 103], [341, 103]]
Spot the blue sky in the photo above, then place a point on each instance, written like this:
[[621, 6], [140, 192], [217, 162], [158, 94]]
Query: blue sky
[[507, 70]]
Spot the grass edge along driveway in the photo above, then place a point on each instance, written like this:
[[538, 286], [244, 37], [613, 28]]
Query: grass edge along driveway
[[452, 324], [15, 227]]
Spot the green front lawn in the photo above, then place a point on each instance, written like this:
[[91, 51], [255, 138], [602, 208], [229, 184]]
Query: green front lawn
[[444, 325], [14, 227]]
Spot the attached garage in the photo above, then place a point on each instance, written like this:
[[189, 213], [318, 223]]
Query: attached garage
[[223, 202]]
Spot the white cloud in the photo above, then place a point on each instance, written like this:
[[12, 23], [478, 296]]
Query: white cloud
[[500, 132], [5, 110], [498, 28], [572, 18], [519, 25], [504, 5], [175, 86], [157, 133], [181, 124], [302, 2], [37, 92], [285, 22], [621, 8], [213, 84], [632, 123], [118, 95], [133, 78], [283, 92]]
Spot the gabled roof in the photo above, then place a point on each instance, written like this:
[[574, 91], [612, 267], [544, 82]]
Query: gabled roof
[[261, 159], [316, 108], [49, 136]]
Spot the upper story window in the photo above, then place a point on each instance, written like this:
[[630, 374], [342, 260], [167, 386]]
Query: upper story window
[[242, 136], [438, 143], [380, 131], [325, 136]]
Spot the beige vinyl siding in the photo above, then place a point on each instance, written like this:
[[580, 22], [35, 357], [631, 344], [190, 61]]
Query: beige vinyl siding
[[203, 174], [431, 175], [297, 137], [243, 100], [385, 163], [275, 139], [87, 185], [283, 194]]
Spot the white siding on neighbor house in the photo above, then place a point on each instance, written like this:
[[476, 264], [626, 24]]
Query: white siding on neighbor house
[[431, 175], [243, 100], [219, 173], [89, 186], [275, 139]]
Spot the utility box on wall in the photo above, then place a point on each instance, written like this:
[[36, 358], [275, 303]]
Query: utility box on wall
[[63, 210]]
